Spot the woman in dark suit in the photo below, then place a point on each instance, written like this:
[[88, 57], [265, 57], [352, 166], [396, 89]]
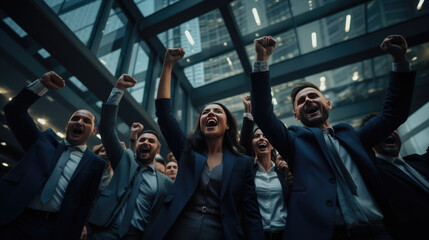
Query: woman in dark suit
[[214, 193]]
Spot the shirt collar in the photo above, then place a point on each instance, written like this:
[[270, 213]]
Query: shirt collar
[[260, 168], [389, 158], [82, 148]]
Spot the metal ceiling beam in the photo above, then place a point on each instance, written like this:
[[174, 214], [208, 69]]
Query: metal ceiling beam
[[274, 29], [44, 26], [177, 14], [237, 41], [335, 56]]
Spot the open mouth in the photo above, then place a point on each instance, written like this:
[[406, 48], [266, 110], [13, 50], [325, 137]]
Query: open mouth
[[145, 150], [77, 131], [390, 141], [262, 146], [211, 123], [311, 109]]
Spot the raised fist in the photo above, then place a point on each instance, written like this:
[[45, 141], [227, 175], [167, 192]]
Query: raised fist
[[136, 128], [173, 55], [397, 46], [125, 81], [247, 104], [53, 81], [264, 47]]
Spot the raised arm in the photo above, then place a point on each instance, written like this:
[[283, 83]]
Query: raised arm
[[262, 107], [170, 129], [109, 111], [246, 133], [16, 111], [398, 97]]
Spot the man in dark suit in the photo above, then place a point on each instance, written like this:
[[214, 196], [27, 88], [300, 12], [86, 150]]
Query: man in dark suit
[[336, 191], [406, 181], [49, 193], [124, 208]]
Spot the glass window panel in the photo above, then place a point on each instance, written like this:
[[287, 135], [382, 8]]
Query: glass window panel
[[252, 16], [77, 83], [78, 15], [214, 69], [180, 106], [148, 7], [286, 48], [197, 35], [302, 6], [138, 67], [382, 14], [45, 54], [235, 106], [333, 29], [155, 118], [113, 37], [15, 27]]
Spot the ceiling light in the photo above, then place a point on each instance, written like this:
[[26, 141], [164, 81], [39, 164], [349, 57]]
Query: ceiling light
[[189, 37], [314, 40], [225, 44], [10, 99], [348, 19], [322, 84], [420, 4], [50, 98], [5, 164], [60, 134], [414, 58], [355, 76], [103, 62], [1, 91], [274, 101], [256, 16], [3, 143], [41, 121], [257, 34], [98, 135], [230, 63], [188, 60]]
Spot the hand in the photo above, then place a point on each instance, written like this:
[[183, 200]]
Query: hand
[[125, 81], [247, 104], [53, 81], [283, 167], [264, 47], [136, 128], [84, 233], [395, 45], [173, 55]]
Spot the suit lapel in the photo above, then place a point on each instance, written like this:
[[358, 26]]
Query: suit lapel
[[82, 163], [200, 160], [228, 165], [398, 173]]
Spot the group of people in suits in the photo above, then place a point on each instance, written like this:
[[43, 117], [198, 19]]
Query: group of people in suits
[[347, 183]]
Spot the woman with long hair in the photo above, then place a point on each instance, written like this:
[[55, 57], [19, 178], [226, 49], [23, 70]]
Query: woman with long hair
[[214, 195]]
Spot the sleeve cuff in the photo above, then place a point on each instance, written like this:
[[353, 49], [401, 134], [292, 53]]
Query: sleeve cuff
[[401, 67], [249, 116], [115, 97], [37, 88], [260, 66]]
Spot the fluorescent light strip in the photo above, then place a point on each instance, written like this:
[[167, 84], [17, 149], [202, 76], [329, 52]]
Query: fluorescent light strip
[[256, 16], [189, 37], [420, 4], [314, 40], [348, 19]]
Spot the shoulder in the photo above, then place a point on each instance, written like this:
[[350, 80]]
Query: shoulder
[[95, 159], [164, 179]]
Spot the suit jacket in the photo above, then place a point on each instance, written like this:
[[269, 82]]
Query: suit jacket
[[409, 201], [22, 183], [237, 196], [314, 190], [112, 198]]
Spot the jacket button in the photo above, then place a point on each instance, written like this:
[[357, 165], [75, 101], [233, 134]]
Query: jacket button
[[329, 203], [332, 180]]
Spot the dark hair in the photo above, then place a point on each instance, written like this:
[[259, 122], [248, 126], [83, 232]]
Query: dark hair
[[151, 132], [230, 138], [171, 158], [298, 88], [159, 160], [367, 118], [273, 151]]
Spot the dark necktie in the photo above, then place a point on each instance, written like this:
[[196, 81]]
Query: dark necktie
[[131, 202], [339, 163]]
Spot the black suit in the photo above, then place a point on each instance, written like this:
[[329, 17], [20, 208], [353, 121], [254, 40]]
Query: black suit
[[19, 187], [409, 201]]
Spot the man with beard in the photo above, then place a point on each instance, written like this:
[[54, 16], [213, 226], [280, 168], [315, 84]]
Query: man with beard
[[336, 191], [49, 193], [406, 181], [123, 209]]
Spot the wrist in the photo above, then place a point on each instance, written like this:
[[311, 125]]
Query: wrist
[[262, 58]]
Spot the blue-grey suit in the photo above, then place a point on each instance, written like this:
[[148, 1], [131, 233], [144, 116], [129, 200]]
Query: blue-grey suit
[[239, 209], [314, 190], [112, 198], [21, 184]]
